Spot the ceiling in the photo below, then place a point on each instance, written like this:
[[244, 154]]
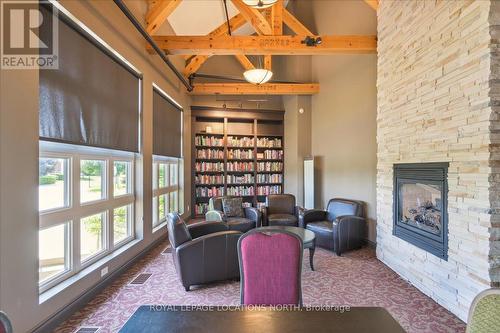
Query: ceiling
[[200, 17]]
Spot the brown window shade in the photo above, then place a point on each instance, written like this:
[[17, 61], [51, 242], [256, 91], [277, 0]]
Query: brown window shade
[[167, 126], [93, 98]]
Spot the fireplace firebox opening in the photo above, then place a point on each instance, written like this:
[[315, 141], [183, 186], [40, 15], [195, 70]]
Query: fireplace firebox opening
[[421, 205]]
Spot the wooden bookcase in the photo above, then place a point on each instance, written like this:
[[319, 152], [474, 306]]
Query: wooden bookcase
[[241, 154]]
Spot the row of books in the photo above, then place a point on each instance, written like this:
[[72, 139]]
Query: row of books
[[266, 190], [270, 166], [240, 190], [200, 208], [240, 179], [240, 154], [269, 178], [269, 143], [240, 166], [213, 191], [209, 153], [273, 154], [240, 142], [209, 166], [213, 141], [209, 179]]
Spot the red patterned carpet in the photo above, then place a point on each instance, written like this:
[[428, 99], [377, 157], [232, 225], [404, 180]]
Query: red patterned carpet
[[355, 279]]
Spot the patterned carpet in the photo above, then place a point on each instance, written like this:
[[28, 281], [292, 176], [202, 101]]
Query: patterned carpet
[[355, 279]]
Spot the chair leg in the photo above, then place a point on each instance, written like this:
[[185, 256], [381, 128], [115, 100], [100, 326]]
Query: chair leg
[[186, 287]]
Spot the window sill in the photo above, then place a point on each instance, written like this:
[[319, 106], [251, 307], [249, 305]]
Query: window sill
[[54, 291], [159, 226]]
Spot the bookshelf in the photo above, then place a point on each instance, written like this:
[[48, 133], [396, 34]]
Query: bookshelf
[[237, 153]]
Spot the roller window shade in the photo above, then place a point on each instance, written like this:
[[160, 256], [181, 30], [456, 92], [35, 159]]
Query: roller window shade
[[92, 99], [167, 126]]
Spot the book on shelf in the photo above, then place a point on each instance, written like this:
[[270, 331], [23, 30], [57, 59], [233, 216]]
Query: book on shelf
[[271, 155], [239, 166], [240, 141], [207, 192], [209, 179], [244, 154], [269, 143], [270, 166], [209, 166], [210, 153], [212, 141], [268, 189], [201, 208], [247, 178], [241, 190], [270, 178]]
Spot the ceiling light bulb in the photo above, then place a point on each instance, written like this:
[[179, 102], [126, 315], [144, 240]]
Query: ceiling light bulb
[[260, 4], [258, 75]]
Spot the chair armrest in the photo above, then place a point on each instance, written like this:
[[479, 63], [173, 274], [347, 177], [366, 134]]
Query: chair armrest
[[195, 259], [215, 215], [204, 228], [311, 215], [254, 214], [350, 219], [298, 210]]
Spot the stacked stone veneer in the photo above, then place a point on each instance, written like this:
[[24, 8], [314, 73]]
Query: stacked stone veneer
[[437, 96]]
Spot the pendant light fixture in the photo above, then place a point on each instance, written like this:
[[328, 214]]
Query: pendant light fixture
[[259, 75], [260, 4]]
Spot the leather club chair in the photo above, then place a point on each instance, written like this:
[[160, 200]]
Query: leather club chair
[[203, 252], [341, 227], [280, 210], [252, 218]]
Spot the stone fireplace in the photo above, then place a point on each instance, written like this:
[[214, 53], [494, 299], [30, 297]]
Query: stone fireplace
[[438, 100], [420, 206]]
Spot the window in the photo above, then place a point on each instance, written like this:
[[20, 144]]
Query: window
[[86, 207], [165, 188]]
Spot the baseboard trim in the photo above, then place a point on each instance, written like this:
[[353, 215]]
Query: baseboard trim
[[50, 324]]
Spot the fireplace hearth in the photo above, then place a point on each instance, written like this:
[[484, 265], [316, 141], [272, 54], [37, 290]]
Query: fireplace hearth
[[420, 206]]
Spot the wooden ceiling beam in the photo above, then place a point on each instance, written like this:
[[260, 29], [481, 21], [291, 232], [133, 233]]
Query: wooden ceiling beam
[[254, 17], [253, 89], [373, 3], [244, 61], [158, 14], [196, 62], [264, 45], [293, 23], [277, 18]]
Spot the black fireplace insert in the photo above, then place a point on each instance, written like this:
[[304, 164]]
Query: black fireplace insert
[[421, 205]]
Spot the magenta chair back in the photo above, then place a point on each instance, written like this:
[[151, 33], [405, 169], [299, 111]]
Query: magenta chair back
[[270, 268]]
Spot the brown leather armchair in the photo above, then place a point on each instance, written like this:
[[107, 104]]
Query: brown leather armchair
[[252, 218], [281, 210], [203, 252], [340, 228]]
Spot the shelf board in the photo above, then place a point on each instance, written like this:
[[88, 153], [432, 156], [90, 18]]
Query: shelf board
[[209, 185], [242, 135], [208, 134], [240, 171], [240, 159], [240, 184], [210, 147], [268, 160], [235, 147], [270, 184], [269, 171], [270, 148], [270, 135], [209, 172], [210, 159]]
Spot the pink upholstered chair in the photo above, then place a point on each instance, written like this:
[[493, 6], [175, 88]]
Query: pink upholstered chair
[[270, 268]]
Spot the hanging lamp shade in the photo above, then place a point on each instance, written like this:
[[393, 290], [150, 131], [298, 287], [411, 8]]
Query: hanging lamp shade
[[258, 75], [260, 3]]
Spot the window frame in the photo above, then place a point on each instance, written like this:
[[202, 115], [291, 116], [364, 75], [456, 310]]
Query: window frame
[[169, 188], [78, 210]]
